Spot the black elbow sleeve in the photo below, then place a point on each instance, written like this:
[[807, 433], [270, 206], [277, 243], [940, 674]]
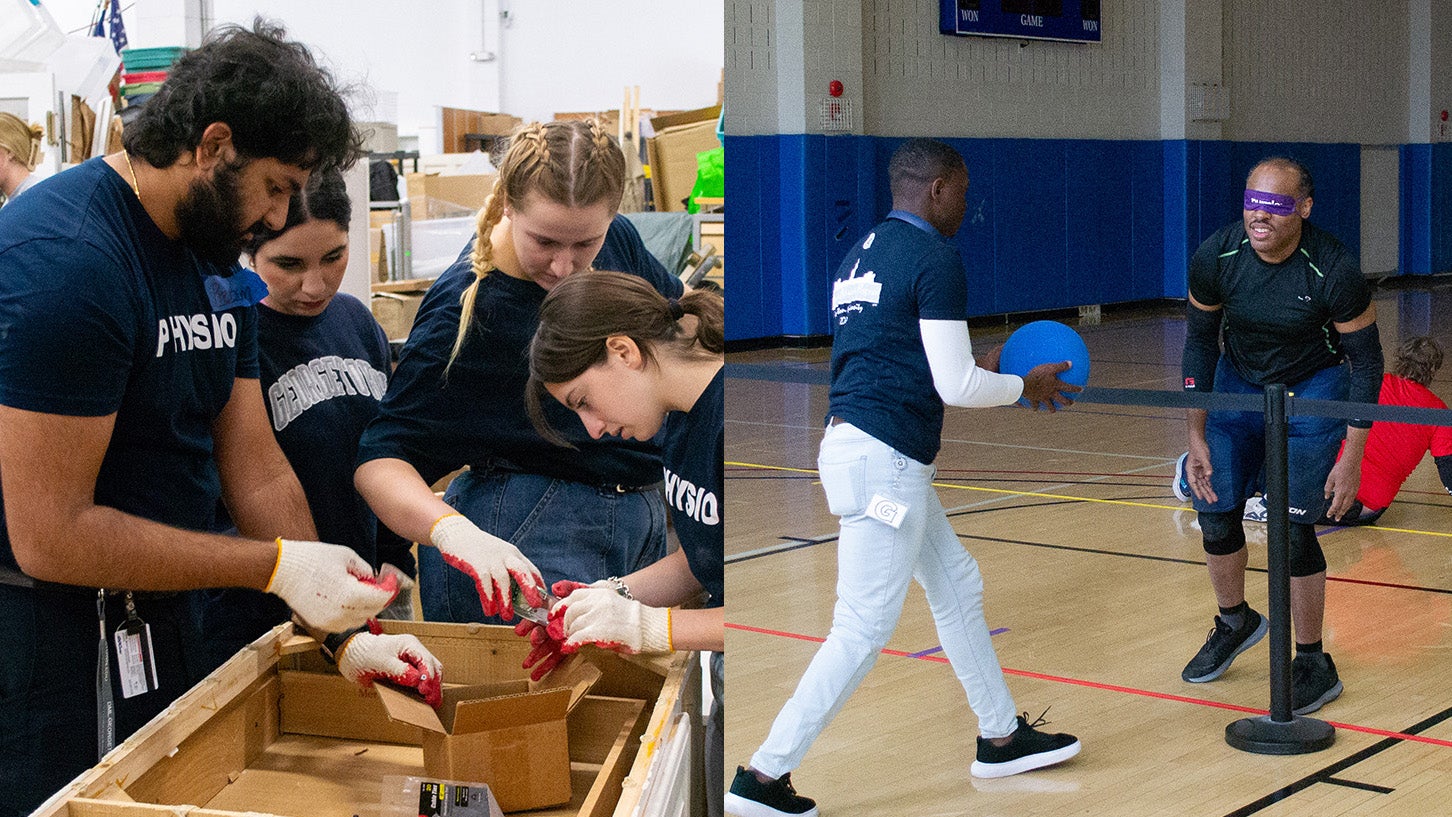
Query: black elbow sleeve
[[1363, 350], [1444, 470], [1202, 348]]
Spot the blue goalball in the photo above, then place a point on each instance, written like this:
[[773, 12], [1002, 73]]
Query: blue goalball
[[1046, 342]]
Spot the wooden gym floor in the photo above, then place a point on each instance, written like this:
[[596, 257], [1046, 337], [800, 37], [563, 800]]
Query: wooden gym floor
[[1097, 594]]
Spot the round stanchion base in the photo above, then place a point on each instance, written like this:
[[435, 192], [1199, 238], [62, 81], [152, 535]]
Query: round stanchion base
[[1264, 736]]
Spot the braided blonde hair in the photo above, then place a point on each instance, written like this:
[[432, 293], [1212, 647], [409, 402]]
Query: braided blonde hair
[[21, 140], [575, 163]]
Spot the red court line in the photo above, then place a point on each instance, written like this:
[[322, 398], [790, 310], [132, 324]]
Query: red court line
[[1164, 696]]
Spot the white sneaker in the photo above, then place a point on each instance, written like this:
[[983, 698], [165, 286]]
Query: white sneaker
[[1255, 509], [1181, 485]]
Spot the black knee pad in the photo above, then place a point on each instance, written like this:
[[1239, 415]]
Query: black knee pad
[[1306, 558], [1224, 532]]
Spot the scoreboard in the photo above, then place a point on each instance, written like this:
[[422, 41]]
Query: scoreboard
[[1072, 20]]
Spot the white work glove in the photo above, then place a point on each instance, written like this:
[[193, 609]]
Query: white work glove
[[401, 659], [330, 587], [491, 562], [597, 614]]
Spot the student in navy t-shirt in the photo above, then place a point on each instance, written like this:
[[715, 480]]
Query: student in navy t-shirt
[[324, 365], [634, 364], [129, 404], [901, 351], [527, 512]]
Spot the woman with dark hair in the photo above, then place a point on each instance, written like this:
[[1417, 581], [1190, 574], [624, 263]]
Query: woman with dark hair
[[635, 364], [324, 366]]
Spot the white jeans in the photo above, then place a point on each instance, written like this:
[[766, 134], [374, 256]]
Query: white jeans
[[874, 563]]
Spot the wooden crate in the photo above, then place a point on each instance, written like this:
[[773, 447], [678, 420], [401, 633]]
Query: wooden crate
[[277, 732]]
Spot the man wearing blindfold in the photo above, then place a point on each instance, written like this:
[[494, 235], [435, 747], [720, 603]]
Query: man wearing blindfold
[[1294, 309]]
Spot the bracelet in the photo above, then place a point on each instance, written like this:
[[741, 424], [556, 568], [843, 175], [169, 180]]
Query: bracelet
[[620, 587]]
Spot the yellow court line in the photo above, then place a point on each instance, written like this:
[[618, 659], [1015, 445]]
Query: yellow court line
[[1065, 496]]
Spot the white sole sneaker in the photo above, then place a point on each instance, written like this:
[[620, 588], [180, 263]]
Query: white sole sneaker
[[1025, 763], [742, 807]]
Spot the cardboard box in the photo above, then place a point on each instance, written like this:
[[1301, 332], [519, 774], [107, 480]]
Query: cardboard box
[[511, 735], [395, 312], [277, 732], [437, 196], [672, 153]]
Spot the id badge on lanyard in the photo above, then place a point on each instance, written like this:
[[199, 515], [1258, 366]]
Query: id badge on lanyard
[[135, 664]]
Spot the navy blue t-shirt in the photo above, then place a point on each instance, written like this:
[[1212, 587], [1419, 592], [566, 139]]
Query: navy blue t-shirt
[[474, 412], [693, 449], [323, 377], [1278, 317], [897, 275], [101, 313]]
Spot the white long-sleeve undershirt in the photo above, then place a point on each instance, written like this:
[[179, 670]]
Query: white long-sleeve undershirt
[[959, 380]]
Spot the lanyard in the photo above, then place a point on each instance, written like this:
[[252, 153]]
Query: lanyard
[[105, 701]]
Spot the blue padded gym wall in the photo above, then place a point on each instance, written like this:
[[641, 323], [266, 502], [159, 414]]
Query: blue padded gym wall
[[1051, 223]]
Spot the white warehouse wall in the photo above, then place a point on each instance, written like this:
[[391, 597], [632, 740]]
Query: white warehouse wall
[[548, 55]]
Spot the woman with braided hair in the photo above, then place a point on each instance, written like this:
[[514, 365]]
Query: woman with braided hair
[[526, 513], [19, 153]]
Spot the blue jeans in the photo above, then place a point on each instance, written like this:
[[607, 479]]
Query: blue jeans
[[568, 529], [1237, 445], [875, 562]]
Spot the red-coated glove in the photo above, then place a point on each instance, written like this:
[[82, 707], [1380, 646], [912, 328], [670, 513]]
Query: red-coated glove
[[330, 587], [400, 659], [597, 614], [545, 654], [491, 562]]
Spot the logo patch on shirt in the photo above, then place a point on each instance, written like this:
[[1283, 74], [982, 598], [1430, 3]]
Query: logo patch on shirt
[[850, 294], [1189, 383]]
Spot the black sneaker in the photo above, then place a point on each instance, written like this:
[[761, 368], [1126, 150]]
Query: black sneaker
[[750, 797], [1029, 749], [1314, 682], [1222, 645]]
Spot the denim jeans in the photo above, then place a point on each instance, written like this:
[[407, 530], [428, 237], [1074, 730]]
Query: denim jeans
[[568, 529], [875, 561], [1237, 445]]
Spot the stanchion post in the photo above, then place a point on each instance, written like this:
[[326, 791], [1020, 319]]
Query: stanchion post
[[1281, 732]]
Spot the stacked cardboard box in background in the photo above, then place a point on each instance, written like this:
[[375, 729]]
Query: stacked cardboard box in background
[[678, 138]]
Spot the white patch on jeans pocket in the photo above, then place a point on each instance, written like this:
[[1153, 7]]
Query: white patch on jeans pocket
[[890, 512]]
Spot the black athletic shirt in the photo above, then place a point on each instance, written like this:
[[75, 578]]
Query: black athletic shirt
[[1278, 317]]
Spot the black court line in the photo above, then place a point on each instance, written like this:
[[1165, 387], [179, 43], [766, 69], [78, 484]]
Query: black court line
[[1077, 549], [1201, 562], [1357, 784], [1328, 774]]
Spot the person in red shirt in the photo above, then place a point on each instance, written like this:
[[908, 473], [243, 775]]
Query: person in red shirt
[[1394, 449]]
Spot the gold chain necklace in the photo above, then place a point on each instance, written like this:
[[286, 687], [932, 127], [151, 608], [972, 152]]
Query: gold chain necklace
[[135, 186]]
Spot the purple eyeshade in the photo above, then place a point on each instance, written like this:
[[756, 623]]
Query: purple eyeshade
[[1273, 203]]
